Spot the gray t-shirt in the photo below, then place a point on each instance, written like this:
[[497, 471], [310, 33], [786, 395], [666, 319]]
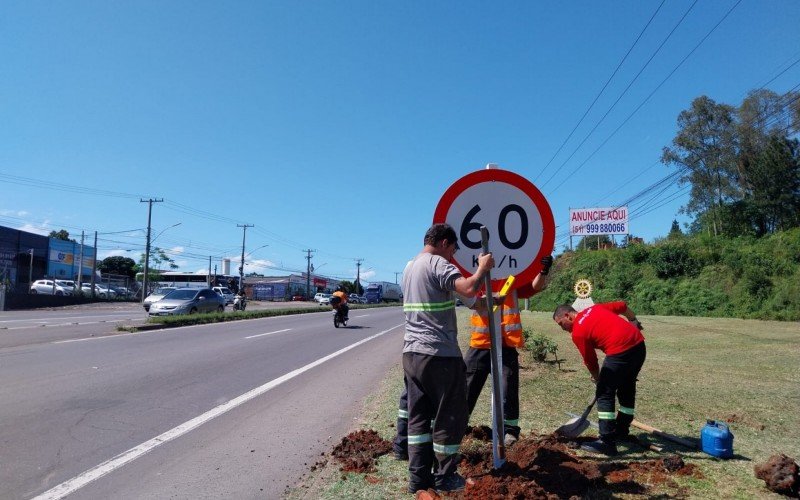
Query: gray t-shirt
[[429, 306]]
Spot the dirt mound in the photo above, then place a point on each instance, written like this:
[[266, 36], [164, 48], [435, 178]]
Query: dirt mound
[[781, 475], [536, 467], [358, 450]]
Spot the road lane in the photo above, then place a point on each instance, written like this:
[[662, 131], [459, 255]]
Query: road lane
[[73, 406]]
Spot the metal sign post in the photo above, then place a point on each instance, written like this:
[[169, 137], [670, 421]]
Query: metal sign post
[[498, 445]]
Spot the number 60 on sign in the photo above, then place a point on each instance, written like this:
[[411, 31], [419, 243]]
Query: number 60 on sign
[[519, 220]]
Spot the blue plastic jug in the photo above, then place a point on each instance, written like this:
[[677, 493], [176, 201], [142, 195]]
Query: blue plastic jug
[[716, 439]]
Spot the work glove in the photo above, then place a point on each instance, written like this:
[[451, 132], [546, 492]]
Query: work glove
[[547, 263]]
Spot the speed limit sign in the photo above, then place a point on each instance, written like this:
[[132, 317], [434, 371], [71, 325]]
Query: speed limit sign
[[519, 220]]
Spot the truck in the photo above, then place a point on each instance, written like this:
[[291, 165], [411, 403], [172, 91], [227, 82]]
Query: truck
[[382, 291]]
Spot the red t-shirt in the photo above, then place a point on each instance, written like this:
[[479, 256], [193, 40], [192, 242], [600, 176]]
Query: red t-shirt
[[600, 327]]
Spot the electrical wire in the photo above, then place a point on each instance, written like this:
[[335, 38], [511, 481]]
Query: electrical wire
[[619, 65]]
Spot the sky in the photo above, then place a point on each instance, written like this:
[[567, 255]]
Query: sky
[[337, 126]]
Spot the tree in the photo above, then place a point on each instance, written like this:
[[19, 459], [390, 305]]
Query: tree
[[123, 266], [595, 242], [61, 235], [775, 186], [158, 257], [705, 152], [675, 230]]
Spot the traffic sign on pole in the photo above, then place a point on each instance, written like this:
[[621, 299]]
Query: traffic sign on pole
[[520, 223]]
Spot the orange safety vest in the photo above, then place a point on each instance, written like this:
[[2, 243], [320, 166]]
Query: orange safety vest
[[511, 326]]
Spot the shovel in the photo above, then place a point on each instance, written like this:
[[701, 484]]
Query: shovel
[[575, 426]]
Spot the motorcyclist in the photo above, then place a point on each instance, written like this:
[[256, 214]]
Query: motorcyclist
[[240, 301], [341, 304]]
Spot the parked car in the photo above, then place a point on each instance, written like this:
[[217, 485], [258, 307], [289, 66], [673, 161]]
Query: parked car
[[298, 298], [68, 285], [100, 291], [323, 298], [354, 298], [188, 301], [225, 292], [122, 292], [48, 287], [157, 295]]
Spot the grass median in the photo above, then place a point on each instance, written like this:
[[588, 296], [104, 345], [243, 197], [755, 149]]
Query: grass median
[[742, 372]]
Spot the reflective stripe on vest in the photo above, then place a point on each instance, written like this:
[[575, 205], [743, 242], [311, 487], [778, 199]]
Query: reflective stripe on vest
[[511, 327], [429, 306], [402, 414], [414, 439], [444, 449]]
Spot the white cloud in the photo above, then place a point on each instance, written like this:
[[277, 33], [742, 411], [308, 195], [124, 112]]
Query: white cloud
[[366, 275], [43, 229]]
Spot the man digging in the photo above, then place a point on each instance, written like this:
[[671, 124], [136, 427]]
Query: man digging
[[601, 327]]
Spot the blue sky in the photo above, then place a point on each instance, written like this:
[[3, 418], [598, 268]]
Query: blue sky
[[337, 125]]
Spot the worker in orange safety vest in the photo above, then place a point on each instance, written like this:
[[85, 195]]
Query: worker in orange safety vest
[[478, 357]]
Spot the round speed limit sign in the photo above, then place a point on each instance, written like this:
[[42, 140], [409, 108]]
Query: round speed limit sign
[[519, 220]]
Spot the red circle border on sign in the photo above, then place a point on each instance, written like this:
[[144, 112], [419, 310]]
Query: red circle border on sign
[[527, 187]]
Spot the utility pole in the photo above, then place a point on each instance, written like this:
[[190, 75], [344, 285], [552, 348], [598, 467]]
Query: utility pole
[[94, 264], [147, 246], [358, 275], [80, 265], [308, 273], [241, 267], [395, 276], [30, 271], [208, 281]]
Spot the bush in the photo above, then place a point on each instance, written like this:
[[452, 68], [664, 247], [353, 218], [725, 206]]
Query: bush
[[540, 346]]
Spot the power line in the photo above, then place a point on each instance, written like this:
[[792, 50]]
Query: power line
[[625, 91], [648, 97], [624, 58]]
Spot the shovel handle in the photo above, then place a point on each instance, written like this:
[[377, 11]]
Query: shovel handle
[[588, 409], [662, 434]]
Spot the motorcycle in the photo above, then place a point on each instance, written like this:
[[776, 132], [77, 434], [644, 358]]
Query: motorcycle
[[239, 303], [339, 312]]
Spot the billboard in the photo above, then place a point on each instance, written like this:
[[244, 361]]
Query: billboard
[[596, 221]]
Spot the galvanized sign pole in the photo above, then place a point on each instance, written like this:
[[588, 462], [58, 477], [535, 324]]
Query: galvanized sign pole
[[498, 445]]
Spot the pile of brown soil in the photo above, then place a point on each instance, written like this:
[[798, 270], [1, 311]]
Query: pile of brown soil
[[358, 451], [781, 475], [536, 467]]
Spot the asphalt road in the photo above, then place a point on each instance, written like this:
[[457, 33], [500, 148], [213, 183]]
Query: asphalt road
[[231, 410]]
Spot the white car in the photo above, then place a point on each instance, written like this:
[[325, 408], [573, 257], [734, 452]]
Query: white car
[[100, 291], [48, 287], [157, 295], [225, 292], [68, 285], [323, 298]]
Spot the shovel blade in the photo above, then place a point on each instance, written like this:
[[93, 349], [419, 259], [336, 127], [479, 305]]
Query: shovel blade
[[573, 428]]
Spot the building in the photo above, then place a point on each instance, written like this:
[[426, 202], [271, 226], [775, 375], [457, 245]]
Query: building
[[26, 257]]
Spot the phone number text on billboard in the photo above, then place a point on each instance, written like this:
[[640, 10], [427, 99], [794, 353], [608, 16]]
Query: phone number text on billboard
[[610, 228]]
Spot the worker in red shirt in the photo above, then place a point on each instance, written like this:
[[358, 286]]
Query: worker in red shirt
[[601, 327]]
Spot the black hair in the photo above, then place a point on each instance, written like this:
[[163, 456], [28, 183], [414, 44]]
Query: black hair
[[562, 309], [439, 232]]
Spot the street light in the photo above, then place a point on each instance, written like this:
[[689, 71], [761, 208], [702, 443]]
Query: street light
[[241, 268], [147, 254]]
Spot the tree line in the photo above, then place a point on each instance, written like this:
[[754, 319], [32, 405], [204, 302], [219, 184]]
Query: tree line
[[742, 162]]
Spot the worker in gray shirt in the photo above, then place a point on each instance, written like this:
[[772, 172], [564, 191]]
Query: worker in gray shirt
[[432, 362]]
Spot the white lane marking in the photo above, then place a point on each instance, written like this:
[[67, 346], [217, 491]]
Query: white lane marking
[[268, 333], [94, 338], [362, 316], [37, 320], [98, 471]]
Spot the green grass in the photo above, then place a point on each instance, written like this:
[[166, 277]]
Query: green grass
[[745, 371]]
